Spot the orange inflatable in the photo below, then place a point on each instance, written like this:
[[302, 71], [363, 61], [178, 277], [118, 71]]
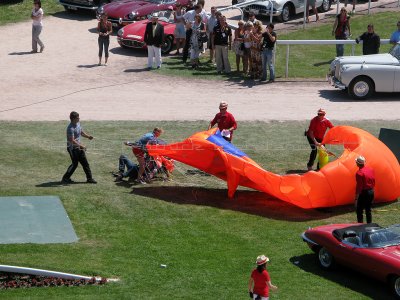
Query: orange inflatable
[[333, 185]]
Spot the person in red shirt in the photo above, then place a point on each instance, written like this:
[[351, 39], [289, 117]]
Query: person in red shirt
[[315, 135], [365, 179], [260, 282], [225, 121]]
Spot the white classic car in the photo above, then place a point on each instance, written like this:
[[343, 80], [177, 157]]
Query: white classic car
[[366, 74], [284, 10]]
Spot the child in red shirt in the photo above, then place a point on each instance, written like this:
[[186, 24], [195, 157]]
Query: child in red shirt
[[260, 282]]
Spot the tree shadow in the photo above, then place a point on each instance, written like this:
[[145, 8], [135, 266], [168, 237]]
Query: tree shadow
[[249, 202], [343, 276]]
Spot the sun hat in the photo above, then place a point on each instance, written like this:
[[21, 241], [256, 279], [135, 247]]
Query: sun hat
[[321, 111], [360, 160], [261, 259], [155, 15], [223, 104]]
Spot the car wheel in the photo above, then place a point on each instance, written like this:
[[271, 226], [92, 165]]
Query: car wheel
[[395, 286], [326, 5], [167, 45], [285, 15], [326, 259], [361, 88]]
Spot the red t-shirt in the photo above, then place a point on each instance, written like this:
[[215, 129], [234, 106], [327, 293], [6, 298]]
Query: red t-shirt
[[318, 127], [260, 282], [224, 121], [365, 178]]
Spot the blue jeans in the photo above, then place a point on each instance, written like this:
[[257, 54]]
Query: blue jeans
[[339, 48], [267, 60], [124, 161]]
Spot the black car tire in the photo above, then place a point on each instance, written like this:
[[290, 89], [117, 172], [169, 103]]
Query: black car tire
[[326, 259], [286, 13], [167, 45], [361, 88], [326, 5], [395, 286]]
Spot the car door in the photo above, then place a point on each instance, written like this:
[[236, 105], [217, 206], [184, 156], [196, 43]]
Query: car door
[[351, 255]]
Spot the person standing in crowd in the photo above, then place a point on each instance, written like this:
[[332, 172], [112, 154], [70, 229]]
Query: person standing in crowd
[[238, 44], [37, 26], [76, 149], [315, 134], [185, 51], [198, 28], [211, 23], [341, 30], [225, 121], [189, 15], [395, 37], [255, 51], [365, 183], [268, 44], [139, 149], [154, 37], [180, 32], [248, 28], [315, 10], [104, 28], [222, 42], [371, 41], [260, 281], [252, 18]]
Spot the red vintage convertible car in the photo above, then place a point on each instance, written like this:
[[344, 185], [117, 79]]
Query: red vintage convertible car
[[132, 36], [124, 12], [367, 248]]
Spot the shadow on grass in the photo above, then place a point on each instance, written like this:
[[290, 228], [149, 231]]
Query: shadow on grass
[[318, 64], [58, 183], [6, 2], [344, 277], [250, 202], [343, 96]]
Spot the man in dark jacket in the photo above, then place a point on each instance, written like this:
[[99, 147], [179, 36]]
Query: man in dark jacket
[[371, 41], [154, 37]]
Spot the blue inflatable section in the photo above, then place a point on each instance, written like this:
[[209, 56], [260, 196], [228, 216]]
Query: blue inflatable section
[[218, 140]]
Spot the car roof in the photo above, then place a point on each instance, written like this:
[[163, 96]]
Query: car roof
[[338, 233]]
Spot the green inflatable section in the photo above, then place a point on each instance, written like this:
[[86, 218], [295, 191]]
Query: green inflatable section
[[34, 219]]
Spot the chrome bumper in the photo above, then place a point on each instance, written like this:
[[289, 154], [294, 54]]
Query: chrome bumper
[[335, 82], [307, 240], [72, 6]]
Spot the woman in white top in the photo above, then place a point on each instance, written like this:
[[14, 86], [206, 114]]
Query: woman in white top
[[37, 16]]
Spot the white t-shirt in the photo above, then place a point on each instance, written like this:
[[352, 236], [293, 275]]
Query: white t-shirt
[[189, 16], [38, 13]]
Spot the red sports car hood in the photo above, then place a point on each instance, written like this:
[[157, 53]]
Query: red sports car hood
[[136, 30], [119, 9]]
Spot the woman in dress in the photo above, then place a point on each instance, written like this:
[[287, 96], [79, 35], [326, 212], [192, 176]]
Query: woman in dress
[[180, 32], [198, 28], [255, 50], [248, 28], [238, 44], [341, 30], [104, 28]]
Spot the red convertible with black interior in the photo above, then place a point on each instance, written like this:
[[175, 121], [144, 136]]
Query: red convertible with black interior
[[124, 12], [132, 36], [366, 248]]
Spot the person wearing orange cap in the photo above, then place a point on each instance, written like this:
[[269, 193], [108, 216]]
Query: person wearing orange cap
[[315, 134], [226, 121], [260, 281], [365, 179]]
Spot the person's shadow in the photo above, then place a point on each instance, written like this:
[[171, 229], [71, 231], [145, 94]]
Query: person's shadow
[[22, 53]]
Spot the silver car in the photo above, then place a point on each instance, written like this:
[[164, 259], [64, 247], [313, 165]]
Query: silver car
[[366, 74], [284, 10]]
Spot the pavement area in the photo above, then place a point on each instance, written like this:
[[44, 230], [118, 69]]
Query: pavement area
[[65, 77]]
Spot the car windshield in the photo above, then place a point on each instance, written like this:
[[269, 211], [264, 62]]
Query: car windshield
[[396, 51], [382, 237], [165, 16]]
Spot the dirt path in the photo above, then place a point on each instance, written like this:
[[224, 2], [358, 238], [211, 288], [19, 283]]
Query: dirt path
[[65, 77]]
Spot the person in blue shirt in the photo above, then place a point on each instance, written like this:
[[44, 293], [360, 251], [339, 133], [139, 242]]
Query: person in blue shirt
[[76, 149], [139, 149], [395, 37]]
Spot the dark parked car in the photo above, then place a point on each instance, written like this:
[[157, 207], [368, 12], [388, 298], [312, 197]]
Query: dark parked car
[[92, 5]]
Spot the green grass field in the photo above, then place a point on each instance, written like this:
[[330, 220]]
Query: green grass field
[[305, 61], [208, 242]]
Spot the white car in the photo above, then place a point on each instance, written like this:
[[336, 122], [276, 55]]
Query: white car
[[284, 10], [366, 74]]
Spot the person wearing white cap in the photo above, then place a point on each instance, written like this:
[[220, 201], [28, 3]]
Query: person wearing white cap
[[260, 281], [365, 183], [154, 38], [315, 134], [226, 121]]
